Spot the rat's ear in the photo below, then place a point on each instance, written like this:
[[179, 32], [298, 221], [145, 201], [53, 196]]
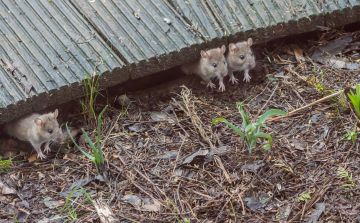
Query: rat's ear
[[204, 54], [223, 49], [38, 122], [56, 113], [233, 48], [249, 42]]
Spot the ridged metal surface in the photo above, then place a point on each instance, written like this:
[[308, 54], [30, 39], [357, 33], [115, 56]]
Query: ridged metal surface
[[139, 33], [53, 49], [264, 20]]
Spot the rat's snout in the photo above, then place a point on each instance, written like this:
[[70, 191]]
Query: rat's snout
[[251, 65], [224, 73]]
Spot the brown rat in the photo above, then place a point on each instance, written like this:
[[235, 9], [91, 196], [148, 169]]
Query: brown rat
[[36, 129], [240, 57], [211, 64]]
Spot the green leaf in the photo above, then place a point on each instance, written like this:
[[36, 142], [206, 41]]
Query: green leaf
[[250, 128], [94, 150], [77, 146], [241, 134], [245, 117], [268, 137], [266, 146], [355, 99], [101, 157], [270, 113]]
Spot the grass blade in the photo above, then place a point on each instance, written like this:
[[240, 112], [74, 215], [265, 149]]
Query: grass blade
[[98, 136], [268, 137], [77, 146], [241, 134], [94, 150], [270, 113]]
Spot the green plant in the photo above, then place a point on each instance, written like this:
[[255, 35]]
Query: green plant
[[350, 135], [304, 197], [233, 210], [5, 165], [91, 91], [355, 100], [252, 130], [15, 218], [342, 173], [98, 157]]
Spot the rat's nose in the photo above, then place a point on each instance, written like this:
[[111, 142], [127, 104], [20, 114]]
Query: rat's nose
[[224, 73], [251, 65]]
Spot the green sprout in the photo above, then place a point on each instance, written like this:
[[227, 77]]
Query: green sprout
[[252, 130]]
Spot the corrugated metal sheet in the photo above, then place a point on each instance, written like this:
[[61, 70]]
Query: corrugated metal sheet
[[52, 48], [265, 20], [139, 34], [48, 46]]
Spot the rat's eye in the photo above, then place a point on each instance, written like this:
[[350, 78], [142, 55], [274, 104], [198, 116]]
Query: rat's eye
[[251, 54], [50, 131], [242, 57], [214, 65], [224, 62]]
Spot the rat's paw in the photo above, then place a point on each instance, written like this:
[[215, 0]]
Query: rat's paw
[[41, 155], [211, 85], [222, 87], [247, 78], [47, 148], [233, 80]]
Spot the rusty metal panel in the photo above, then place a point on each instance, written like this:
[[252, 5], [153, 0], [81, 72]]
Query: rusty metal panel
[[138, 31], [47, 49]]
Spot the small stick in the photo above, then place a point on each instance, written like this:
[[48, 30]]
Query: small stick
[[307, 106]]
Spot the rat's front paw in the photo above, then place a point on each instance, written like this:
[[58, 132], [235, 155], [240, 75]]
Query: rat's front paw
[[222, 87], [211, 85], [41, 155], [233, 80], [47, 148], [247, 78]]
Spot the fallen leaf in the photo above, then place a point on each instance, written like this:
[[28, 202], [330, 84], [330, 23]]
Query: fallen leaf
[[104, 212], [319, 209], [32, 158], [331, 49], [343, 63], [253, 167], [4, 189], [298, 53], [161, 116], [134, 128], [168, 155], [141, 205], [78, 184], [199, 156], [283, 212], [254, 204]]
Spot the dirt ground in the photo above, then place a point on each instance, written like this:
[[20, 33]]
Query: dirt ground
[[167, 163]]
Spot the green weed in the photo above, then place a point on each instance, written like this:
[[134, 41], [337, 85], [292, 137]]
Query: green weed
[[350, 135], [233, 210], [5, 165], [91, 90], [98, 157], [342, 173], [304, 197], [252, 130], [355, 100]]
